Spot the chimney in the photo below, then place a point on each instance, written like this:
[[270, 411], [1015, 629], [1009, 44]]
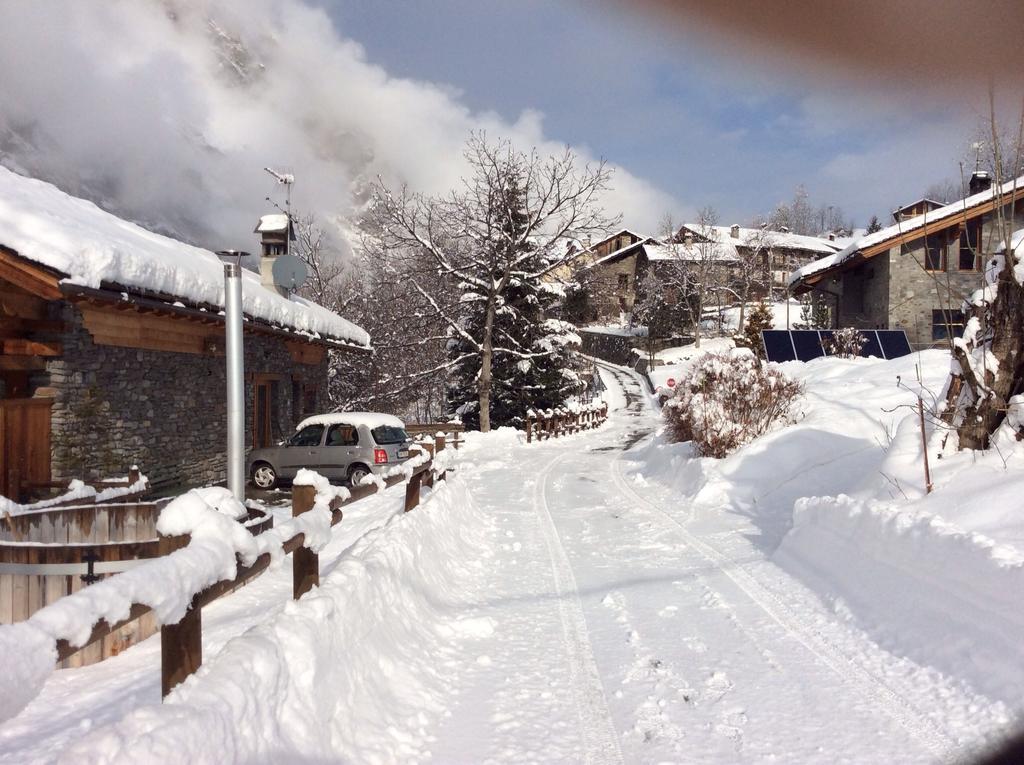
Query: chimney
[[275, 232], [831, 236], [980, 181], [734, 231]]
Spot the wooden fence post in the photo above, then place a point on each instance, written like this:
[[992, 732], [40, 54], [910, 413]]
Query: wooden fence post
[[412, 492], [428, 477], [305, 562], [529, 428], [181, 644], [439, 444], [133, 475]]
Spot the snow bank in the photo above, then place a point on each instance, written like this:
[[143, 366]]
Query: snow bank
[[921, 585], [92, 248], [838, 500], [360, 669]]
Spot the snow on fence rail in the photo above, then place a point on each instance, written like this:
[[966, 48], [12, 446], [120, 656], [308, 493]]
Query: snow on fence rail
[[205, 554], [563, 421]]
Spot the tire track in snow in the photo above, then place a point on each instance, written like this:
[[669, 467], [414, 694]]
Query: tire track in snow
[[600, 739], [845, 666]]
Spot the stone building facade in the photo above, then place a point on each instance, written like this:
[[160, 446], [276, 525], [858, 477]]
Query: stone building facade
[[164, 411], [916, 274]]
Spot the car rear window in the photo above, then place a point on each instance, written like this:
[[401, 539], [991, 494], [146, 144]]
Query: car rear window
[[387, 434]]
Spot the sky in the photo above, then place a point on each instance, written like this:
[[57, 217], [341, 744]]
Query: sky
[[167, 111]]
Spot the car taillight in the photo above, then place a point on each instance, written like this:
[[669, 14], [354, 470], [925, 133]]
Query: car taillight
[[380, 456]]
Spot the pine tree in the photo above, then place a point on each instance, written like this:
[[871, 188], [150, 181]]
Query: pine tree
[[874, 225], [760, 319], [533, 362]]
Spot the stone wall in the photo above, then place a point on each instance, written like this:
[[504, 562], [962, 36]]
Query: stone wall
[[166, 412], [608, 297], [614, 348]]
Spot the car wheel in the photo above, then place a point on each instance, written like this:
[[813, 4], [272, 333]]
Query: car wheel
[[357, 473], [264, 476]]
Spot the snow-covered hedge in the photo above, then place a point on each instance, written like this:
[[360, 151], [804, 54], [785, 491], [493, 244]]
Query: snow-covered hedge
[[728, 401]]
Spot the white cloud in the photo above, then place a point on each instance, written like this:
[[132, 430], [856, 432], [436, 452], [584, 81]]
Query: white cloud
[[168, 111]]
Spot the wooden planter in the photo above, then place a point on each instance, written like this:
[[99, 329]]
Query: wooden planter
[[51, 553]]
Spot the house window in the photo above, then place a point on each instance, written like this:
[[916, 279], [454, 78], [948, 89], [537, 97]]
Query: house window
[[947, 324], [623, 281], [934, 253], [970, 245]]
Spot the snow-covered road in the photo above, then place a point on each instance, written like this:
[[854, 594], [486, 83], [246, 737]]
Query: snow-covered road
[[624, 629], [556, 602]]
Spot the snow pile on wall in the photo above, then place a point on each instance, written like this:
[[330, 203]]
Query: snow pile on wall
[[354, 671], [92, 247], [926, 588]]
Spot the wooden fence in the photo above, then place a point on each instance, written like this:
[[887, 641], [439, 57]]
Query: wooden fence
[[454, 430], [181, 649], [561, 422], [48, 554]]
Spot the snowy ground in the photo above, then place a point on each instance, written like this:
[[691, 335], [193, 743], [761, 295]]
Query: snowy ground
[[607, 598]]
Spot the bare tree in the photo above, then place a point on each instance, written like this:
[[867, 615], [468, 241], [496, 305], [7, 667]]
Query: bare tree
[[323, 262], [499, 230], [696, 266]]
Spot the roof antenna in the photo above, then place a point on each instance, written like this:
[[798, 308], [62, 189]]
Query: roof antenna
[[287, 180], [977, 146]]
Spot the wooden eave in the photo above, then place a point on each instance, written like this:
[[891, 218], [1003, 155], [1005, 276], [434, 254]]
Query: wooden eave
[[34, 278], [902, 237], [115, 296]]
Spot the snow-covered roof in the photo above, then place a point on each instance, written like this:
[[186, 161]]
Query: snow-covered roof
[[356, 419], [949, 213], [622, 251], [749, 236], [277, 222], [620, 232], [95, 249], [724, 251]]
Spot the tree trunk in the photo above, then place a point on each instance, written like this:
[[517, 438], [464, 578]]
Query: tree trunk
[[1006, 319], [743, 308], [484, 382]]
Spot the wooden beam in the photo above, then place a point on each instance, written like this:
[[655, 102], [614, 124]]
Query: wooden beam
[[305, 353], [21, 305], [22, 363], [28, 276], [21, 347]]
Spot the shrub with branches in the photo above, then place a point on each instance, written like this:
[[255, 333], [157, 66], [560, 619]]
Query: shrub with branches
[[845, 343], [728, 401]]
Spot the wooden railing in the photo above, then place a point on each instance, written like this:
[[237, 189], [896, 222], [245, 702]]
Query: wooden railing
[[181, 650], [452, 429], [552, 423]]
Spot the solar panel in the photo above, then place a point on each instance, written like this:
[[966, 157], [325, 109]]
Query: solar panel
[[807, 344], [777, 345], [871, 345], [894, 343]]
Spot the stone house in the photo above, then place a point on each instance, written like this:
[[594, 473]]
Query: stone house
[[780, 252], [615, 281], [113, 346], [915, 274]]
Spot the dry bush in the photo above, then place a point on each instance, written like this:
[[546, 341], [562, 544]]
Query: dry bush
[[728, 401]]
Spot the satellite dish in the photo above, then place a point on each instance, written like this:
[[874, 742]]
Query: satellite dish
[[289, 272]]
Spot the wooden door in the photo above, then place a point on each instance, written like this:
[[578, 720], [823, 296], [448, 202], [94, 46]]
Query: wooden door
[[24, 443], [262, 408]]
